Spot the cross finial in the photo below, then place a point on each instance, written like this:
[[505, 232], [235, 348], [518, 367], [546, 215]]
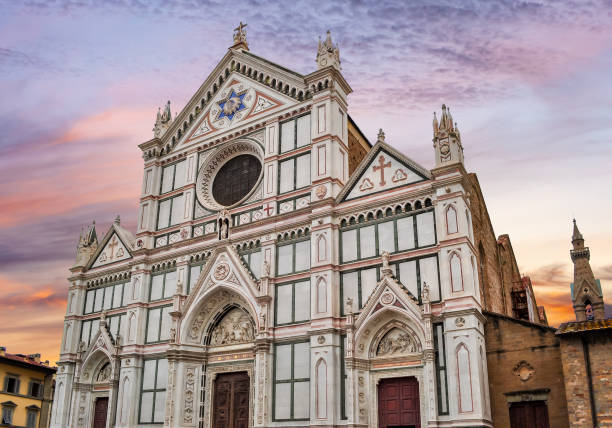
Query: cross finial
[[240, 36]]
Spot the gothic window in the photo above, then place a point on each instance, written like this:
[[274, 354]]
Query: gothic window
[[464, 379], [292, 382], [469, 223], [294, 173], [321, 295], [367, 240], [89, 328], [170, 211], [451, 220], [235, 179], [292, 303], [153, 391], [295, 133], [588, 309], [173, 177], [293, 257], [456, 272], [158, 324], [163, 285], [440, 358]]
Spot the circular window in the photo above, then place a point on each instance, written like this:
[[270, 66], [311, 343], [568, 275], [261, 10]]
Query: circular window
[[236, 179]]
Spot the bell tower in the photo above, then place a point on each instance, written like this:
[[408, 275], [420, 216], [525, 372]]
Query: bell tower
[[446, 139], [587, 297]]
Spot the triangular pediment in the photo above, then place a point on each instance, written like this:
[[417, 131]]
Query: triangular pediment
[[115, 247], [224, 268], [240, 89], [102, 341], [238, 101], [384, 168], [388, 293]]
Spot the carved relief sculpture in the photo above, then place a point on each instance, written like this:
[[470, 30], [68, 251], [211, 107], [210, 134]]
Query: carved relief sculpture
[[235, 327], [396, 342]]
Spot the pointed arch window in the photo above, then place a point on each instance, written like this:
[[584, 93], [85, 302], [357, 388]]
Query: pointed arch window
[[451, 220], [456, 272], [464, 374]]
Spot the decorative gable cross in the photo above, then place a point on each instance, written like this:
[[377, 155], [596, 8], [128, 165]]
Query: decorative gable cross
[[381, 166], [112, 246]]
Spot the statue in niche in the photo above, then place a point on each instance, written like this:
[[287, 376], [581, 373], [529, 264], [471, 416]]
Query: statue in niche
[[104, 374], [235, 327], [396, 342]]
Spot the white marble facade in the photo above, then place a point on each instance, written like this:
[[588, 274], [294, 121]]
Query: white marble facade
[[317, 284]]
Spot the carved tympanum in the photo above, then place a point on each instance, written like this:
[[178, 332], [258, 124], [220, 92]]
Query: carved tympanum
[[235, 327], [396, 342], [104, 374]]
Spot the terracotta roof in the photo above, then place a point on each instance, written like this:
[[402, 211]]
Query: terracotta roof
[[25, 360], [580, 326]]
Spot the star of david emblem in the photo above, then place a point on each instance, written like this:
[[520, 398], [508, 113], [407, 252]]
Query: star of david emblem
[[231, 105]]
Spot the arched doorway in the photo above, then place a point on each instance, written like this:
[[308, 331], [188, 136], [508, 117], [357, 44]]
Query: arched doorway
[[398, 403]]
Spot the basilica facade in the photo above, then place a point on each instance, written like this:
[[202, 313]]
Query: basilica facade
[[285, 272]]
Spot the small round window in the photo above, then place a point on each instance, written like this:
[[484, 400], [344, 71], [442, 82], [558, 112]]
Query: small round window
[[236, 179]]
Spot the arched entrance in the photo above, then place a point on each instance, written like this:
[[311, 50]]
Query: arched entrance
[[398, 403]]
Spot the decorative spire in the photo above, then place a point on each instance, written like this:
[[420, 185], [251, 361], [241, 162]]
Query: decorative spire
[[162, 121], [88, 243], [446, 138], [587, 296], [240, 39], [576, 235], [381, 136], [435, 123], [328, 54], [118, 220]]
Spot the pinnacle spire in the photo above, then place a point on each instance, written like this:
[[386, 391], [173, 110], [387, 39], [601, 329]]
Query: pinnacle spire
[[576, 235], [381, 136], [328, 54], [435, 123]]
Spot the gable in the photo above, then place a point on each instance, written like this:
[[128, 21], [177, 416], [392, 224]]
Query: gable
[[114, 250], [383, 169], [237, 102]]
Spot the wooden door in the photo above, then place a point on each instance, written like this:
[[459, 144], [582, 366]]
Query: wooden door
[[231, 400], [529, 414], [398, 403], [100, 412]]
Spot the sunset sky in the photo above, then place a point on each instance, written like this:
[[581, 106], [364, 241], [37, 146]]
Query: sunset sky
[[529, 83]]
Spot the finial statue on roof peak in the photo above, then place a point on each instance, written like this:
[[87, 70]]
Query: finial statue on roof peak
[[328, 54], [240, 39], [381, 136], [118, 220]]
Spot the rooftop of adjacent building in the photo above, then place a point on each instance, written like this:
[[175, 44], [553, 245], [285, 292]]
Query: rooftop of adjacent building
[[31, 361], [582, 326]]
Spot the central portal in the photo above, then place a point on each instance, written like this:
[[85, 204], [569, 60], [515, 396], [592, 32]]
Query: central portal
[[231, 400], [398, 403]]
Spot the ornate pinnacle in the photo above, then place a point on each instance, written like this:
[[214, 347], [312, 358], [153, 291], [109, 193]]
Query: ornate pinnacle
[[240, 39], [118, 220], [381, 136]]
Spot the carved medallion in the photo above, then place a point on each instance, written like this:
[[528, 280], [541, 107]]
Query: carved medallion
[[523, 370], [321, 191], [459, 321], [387, 298], [321, 340], [221, 271]]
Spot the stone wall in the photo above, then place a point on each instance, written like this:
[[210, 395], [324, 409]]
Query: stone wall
[[577, 378], [493, 296], [524, 362]]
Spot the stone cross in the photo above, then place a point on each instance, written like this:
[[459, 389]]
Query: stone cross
[[112, 246], [381, 166]]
